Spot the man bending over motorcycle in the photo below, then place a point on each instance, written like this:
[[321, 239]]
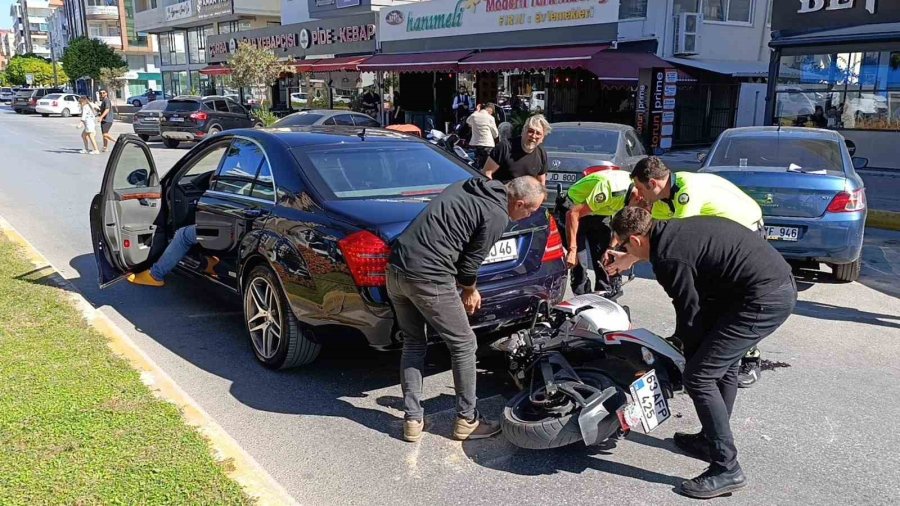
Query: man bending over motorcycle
[[730, 290]]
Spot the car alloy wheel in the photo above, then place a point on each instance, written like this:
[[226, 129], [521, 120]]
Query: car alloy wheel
[[214, 130], [263, 312], [278, 340], [66, 113], [136, 103]]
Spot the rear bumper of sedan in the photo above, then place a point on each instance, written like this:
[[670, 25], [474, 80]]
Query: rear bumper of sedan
[[43, 109], [834, 238], [506, 306], [151, 129]]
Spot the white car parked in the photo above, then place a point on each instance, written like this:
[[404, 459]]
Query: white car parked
[[64, 104]]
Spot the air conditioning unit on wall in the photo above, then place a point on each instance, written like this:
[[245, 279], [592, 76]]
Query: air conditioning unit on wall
[[687, 36]]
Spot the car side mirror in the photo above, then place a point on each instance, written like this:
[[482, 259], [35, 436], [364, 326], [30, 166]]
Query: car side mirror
[[701, 157], [851, 146], [138, 177], [860, 162]]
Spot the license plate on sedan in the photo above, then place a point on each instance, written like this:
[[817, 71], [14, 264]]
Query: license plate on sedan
[[649, 403], [561, 177], [782, 233], [176, 119], [503, 250]]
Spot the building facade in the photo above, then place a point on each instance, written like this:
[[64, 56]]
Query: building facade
[[7, 48], [112, 22], [182, 28], [30, 21]]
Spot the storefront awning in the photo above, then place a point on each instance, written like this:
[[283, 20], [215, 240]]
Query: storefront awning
[[624, 66], [342, 63], [726, 67], [442, 61], [880, 32], [215, 70], [540, 58]]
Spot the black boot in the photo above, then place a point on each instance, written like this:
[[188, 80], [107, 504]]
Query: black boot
[[714, 483], [695, 445]]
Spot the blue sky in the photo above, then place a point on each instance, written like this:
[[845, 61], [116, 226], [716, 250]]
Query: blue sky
[[5, 20]]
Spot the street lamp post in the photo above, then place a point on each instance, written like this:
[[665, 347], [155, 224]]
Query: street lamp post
[[53, 60]]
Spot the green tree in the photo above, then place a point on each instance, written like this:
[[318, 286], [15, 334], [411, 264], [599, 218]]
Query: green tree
[[113, 79], [3, 80], [19, 66], [84, 57], [255, 68]]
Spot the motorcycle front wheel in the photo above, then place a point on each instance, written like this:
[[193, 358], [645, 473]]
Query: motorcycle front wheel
[[534, 427]]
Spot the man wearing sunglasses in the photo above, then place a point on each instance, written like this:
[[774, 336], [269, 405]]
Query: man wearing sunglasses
[[521, 156], [730, 290]]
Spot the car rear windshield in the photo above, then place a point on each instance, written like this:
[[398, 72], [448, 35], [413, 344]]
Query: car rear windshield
[[25, 92], [779, 152], [374, 171], [54, 96], [5, 90], [299, 119], [182, 106], [582, 140], [157, 105]]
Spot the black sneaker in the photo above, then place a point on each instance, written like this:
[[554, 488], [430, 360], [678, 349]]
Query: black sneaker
[[714, 483], [749, 373], [695, 445]]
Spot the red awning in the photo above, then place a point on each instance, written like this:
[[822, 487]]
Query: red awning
[[574, 57], [343, 63], [625, 66], [215, 70], [441, 61]]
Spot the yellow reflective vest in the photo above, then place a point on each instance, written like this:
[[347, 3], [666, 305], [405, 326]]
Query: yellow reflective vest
[[700, 194]]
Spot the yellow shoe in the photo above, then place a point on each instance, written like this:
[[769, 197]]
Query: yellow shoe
[[144, 278], [211, 263]]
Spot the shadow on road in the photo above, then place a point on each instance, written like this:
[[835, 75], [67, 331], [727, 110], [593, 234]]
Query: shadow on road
[[831, 312]]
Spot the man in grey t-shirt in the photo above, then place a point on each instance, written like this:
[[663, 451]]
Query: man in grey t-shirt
[[107, 116]]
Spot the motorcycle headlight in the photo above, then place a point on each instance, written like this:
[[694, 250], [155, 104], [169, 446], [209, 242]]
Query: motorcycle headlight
[[648, 356]]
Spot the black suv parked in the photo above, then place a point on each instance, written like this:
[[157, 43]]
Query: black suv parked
[[194, 118], [26, 99]]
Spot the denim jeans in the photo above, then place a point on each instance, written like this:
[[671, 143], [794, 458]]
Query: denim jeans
[[418, 303], [185, 238], [710, 375]]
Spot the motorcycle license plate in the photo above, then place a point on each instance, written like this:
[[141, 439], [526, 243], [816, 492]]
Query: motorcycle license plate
[[503, 250], [649, 401]]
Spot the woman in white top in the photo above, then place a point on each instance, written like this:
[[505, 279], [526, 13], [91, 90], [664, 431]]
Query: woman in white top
[[89, 126]]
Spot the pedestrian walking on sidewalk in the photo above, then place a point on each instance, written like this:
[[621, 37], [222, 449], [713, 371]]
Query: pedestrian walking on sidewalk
[[88, 126], [107, 116], [431, 261]]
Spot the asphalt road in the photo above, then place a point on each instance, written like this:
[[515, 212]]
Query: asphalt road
[[819, 428]]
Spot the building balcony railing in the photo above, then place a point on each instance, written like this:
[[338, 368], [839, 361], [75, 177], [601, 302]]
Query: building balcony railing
[[101, 11], [110, 40]]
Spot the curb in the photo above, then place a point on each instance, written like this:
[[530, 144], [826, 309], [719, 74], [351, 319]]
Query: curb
[[887, 220], [243, 468]]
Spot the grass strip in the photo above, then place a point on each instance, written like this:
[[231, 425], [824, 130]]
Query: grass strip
[[77, 425]]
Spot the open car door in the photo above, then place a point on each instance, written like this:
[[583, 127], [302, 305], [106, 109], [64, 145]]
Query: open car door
[[126, 213]]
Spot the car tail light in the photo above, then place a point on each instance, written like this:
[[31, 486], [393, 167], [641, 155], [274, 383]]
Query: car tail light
[[367, 258], [848, 202], [33, 101], [54, 103], [597, 168], [199, 116], [554, 249]]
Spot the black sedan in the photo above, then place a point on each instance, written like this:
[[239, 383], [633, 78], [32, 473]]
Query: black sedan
[[146, 120], [301, 220]]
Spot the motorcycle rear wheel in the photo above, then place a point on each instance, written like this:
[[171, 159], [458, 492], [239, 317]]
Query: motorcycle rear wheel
[[528, 426]]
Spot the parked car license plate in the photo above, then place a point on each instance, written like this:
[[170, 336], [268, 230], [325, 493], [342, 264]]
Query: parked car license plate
[[503, 250], [782, 233], [650, 403], [176, 119], [561, 177]]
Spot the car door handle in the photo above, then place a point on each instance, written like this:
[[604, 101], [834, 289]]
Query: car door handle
[[252, 213]]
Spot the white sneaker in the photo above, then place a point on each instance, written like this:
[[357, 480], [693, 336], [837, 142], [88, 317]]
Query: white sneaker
[[84, 151], [95, 152]]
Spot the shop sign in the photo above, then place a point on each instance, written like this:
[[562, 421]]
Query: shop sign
[[655, 108], [180, 10], [444, 18], [336, 36], [811, 15], [211, 8]]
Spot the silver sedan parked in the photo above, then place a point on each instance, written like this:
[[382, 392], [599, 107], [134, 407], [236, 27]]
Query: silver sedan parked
[[576, 148], [327, 117]]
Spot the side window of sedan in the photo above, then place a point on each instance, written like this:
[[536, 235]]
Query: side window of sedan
[[239, 168], [329, 121], [208, 162], [637, 148], [365, 121], [343, 119], [264, 186]]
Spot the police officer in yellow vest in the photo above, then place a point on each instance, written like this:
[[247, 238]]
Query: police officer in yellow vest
[[684, 194], [591, 201]]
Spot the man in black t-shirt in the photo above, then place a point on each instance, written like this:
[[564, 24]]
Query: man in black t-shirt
[[521, 156], [106, 118]]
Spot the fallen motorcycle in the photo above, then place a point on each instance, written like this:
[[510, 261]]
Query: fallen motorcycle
[[585, 375]]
